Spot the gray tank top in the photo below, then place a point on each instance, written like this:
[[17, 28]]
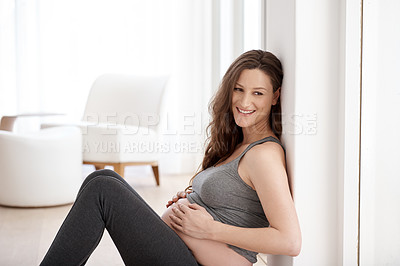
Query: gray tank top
[[223, 193]]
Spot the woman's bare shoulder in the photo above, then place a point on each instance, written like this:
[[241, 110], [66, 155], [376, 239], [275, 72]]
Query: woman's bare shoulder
[[262, 162], [266, 152]]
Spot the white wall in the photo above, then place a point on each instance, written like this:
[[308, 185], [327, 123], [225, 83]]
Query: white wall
[[356, 141], [380, 142], [349, 131], [305, 35], [280, 40]]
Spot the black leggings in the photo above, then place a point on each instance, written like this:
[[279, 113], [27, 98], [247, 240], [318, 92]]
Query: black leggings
[[105, 200]]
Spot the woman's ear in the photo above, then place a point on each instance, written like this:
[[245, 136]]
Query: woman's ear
[[275, 98]]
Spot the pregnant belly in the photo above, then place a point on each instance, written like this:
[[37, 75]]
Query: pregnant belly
[[207, 252]]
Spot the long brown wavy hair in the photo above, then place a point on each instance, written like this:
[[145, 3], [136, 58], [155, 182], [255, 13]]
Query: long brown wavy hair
[[223, 133]]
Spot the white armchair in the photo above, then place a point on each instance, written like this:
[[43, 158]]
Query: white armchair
[[120, 122], [42, 168]]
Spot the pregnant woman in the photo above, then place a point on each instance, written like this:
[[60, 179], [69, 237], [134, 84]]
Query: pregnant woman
[[238, 204]]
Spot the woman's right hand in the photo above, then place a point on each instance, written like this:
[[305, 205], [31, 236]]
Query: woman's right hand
[[179, 195]]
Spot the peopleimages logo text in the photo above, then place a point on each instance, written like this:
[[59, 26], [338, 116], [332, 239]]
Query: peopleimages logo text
[[142, 147]]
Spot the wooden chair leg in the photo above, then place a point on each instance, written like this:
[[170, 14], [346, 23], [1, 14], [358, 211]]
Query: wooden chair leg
[[156, 175], [97, 167], [119, 168]]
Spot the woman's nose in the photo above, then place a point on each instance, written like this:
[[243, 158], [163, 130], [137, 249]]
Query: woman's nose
[[245, 100]]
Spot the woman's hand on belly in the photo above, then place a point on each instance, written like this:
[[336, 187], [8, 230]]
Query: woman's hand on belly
[[192, 220], [168, 212], [206, 252], [175, 198]]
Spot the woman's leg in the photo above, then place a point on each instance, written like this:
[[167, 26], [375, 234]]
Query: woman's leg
[[105, 200]]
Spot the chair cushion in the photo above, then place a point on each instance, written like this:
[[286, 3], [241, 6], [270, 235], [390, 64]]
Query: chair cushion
[[117, 143], [42, 168]]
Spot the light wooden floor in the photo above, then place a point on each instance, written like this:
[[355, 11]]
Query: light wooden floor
[[26, 234]]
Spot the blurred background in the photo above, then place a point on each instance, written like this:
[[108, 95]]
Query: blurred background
[[52, 51]]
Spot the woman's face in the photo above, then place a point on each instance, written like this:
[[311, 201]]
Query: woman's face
[[252, 99]]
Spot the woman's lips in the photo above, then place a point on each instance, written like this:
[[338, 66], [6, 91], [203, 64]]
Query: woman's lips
[[245, 112]]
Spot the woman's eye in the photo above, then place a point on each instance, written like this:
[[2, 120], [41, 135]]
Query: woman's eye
[[237, 89], [258, 93]]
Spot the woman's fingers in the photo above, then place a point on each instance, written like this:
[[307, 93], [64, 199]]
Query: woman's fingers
[[195, 206], [175, 198], [179, 211], [183, 208], [175, 225], [176, 219], [169, 203]]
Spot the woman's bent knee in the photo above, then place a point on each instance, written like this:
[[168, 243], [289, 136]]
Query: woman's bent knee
[[103, 172], [100, 173]]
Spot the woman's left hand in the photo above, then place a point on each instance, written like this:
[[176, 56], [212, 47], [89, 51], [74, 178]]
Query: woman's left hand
[[192, 220]]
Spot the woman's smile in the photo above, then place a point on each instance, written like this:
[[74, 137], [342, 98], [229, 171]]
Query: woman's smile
[[245, 112]]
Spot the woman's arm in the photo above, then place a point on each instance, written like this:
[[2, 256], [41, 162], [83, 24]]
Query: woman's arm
[[264, 168]]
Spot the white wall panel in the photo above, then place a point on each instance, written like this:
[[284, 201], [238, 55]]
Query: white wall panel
[[380, 142], [305, 36]]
